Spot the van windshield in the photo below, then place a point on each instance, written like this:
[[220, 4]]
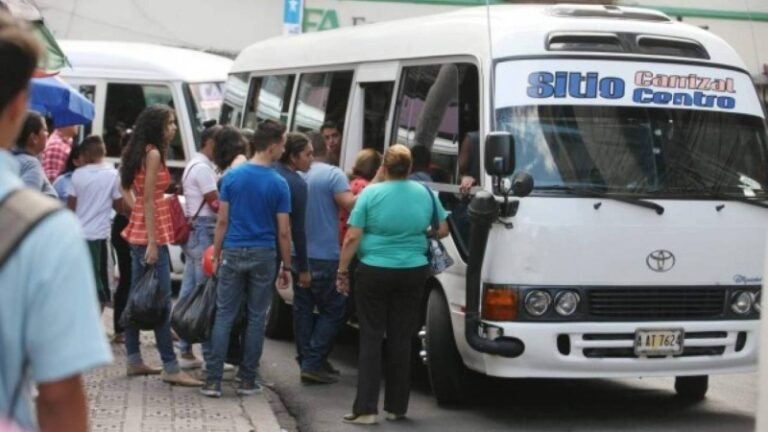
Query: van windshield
[[204, 100], [640, 151]]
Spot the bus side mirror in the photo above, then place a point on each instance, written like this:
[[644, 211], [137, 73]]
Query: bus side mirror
[[499, 154]]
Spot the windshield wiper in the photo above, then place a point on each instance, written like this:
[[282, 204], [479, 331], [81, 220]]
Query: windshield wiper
[[759, 202], [596, 193]]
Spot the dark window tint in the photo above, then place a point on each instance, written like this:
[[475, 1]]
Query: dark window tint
[[124, 104]]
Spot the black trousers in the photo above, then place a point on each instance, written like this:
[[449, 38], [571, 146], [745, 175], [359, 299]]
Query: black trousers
[[123, 251], [387, 305]]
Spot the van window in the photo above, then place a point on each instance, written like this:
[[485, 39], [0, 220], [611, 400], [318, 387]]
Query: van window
[[378, 96], [270, 99], [235, 92], [437, 117], [204, 101], [124, 104], [89, 92], [322, 97]]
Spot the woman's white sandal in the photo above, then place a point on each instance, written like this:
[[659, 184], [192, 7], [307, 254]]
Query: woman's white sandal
[[361, 419]]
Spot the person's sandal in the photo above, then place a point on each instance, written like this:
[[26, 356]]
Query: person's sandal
[[141, 369], [360, 419]]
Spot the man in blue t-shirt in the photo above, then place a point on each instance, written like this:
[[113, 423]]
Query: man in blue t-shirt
[[328, 191], [253, 216]]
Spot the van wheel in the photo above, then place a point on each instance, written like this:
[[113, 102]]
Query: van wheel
[[279, 323], [447, 373], [692, 388]]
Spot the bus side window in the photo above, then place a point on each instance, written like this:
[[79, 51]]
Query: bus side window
[[437, 116], [124, 104], [378, 96], [235, 93], [269, 99], [323, 96]]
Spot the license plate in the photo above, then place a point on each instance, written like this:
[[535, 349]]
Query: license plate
[[658, 342]]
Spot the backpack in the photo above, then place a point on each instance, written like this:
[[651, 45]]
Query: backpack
[[20, 212]]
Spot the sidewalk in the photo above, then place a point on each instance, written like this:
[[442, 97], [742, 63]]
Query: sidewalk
[[146, 404]]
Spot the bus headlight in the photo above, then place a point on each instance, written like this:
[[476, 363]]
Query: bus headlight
[[741, 302], [566, 302], [537, 302], [757, 302]]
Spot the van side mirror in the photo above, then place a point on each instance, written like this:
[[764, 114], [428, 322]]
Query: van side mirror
[[499, 154]]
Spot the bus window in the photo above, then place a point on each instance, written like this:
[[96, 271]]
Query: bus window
[[322, 97], [124, 104], [235, 92], [270, 98], [377, 98]]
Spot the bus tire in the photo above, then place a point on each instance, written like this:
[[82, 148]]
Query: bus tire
[[446, 370], [692, 388], [279, 323]]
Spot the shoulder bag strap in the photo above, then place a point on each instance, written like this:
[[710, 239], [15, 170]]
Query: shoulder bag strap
[[435, 222], [20, 212], [202, 204]]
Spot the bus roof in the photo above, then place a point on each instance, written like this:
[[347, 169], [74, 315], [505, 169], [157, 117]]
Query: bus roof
[[518, 30], [121, 60]]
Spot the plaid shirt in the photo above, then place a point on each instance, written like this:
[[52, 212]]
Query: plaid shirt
[[55, 155]]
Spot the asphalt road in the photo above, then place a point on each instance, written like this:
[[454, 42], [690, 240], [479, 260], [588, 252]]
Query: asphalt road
[[522, 405]]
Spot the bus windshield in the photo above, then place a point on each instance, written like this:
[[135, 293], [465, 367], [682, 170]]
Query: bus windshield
[[637, 128], [644, 151]]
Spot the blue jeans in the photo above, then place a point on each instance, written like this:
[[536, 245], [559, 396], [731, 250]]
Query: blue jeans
[[244, 274], [315, 335], [163, 330], [200, 239]]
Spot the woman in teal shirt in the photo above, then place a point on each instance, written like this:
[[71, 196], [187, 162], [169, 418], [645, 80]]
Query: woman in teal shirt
[[388, 230]]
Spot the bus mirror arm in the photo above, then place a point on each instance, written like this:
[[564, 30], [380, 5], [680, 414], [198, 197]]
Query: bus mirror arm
[[483, 212]]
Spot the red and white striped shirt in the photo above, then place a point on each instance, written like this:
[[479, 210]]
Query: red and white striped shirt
[[136, 231]]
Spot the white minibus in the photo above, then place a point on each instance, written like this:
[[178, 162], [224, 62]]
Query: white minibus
[[122, 78], [617, 223]]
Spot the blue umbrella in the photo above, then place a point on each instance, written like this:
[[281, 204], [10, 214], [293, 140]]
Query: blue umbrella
[[53, 97]]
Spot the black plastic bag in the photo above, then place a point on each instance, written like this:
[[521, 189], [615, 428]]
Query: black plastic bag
[[146, 307], [192, 316]]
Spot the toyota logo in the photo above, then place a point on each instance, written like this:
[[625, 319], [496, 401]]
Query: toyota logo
[[660, 260]]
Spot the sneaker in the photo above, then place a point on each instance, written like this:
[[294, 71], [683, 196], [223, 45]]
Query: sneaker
[[189, 363], [394, 417], [211, 389], [247, 388], [141, 369], [328, 367], [318, 377], [180, 378], [360, 419]]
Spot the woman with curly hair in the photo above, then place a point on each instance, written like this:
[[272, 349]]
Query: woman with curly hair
[[144, 173]]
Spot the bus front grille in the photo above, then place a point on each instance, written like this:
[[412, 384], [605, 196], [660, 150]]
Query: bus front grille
[[657, 303]]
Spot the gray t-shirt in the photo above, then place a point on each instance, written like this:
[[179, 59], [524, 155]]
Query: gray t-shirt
[[32, 174]]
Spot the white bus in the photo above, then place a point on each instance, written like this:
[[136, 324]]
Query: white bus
[[629, 241], [123, 78]]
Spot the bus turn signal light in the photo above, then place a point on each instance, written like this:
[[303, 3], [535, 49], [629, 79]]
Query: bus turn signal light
[[500, 303]]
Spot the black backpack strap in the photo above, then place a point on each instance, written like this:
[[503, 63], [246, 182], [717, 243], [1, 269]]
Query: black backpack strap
[[21, 211]]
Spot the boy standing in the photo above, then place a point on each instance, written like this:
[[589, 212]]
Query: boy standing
[[93, 192], [255, 204]]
